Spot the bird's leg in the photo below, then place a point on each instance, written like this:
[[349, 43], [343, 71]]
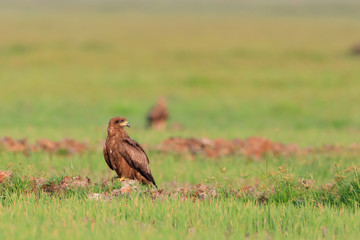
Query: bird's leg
[[121, 179]]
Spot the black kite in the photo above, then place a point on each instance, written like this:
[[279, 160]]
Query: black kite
[[124, 155], [158, 115]]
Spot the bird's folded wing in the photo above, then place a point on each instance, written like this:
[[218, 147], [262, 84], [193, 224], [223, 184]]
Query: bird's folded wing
[[135, 146], [136, 157], [107, 159]]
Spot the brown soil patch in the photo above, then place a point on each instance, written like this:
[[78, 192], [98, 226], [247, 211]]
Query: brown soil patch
[[65, 146], [67, 183], [254, 147], [5, 175]]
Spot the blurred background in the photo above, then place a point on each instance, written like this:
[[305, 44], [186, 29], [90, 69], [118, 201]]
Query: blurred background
[[286, 70]]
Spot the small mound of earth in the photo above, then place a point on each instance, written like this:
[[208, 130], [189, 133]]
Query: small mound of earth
[[66, 146], [67, 183], [5, 175], [254, 147]]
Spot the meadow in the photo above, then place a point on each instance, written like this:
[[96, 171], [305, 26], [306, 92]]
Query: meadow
[[281, 71]]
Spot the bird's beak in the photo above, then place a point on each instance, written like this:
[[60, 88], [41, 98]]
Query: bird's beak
[[127, 124]]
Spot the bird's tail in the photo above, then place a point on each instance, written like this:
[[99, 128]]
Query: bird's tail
[[150, 178]]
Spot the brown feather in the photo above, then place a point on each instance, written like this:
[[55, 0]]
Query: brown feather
[[124, 155], [158, 115], [136, 157], [107, 159]]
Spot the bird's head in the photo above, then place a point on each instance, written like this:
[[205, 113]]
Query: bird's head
[[118, 123]]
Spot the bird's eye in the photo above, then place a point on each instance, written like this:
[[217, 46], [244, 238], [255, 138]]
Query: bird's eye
[[119, 121]]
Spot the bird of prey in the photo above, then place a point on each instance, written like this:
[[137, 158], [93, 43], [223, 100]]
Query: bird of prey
[[124, 155], [158, 115], [356, 50]]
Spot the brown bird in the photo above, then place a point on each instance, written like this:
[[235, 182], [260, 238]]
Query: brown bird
[[158, 115], [356, 50], [124, 155]]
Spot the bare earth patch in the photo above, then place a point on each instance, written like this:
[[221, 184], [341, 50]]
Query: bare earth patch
[[5, 175], [254, 147], [67, 183]]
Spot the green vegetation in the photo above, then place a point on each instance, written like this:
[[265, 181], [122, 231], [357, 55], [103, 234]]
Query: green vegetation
[[280, 71], [292, 210], [50, 217]]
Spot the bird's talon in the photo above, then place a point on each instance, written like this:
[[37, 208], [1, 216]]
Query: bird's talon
[[121, 179]]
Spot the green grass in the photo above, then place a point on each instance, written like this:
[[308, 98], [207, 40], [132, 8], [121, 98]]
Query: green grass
[[234, 70], [290, 210], [171, 167], [138, 215], [235, 75], [52, 218]]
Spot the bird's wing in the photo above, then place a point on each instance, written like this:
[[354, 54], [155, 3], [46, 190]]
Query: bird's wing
[[136, 157], [107, 158]]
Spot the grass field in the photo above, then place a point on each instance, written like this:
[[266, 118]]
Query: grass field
[[229, 70]]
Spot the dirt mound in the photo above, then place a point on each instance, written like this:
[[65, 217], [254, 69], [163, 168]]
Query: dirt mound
[[133, 188], [39, 181], [67, 183], [5, 175], [254, 147], [12, 145], [65, 146], [127, 187], [204, 191], [262, 194]]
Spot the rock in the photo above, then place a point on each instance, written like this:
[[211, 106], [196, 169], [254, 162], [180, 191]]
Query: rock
[[125, 189], [130, 182], [115, 192]]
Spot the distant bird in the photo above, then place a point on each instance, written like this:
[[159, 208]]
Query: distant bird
[[356, 50], [124, 155], [158, 115]]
